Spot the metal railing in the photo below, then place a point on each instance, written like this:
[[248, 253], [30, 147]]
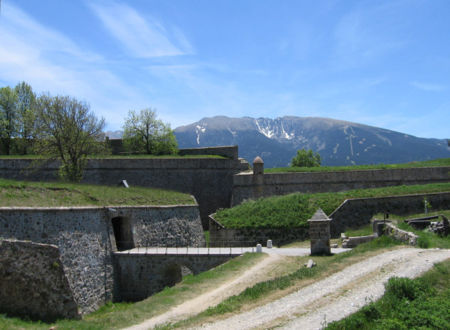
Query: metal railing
[[188, 250]]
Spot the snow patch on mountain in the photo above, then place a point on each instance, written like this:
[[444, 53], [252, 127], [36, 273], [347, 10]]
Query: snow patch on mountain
[[198, 130], [264, 130]]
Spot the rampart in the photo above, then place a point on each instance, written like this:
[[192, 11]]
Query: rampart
[[209, 180], [354, 213], [87, 237], [252, 186]]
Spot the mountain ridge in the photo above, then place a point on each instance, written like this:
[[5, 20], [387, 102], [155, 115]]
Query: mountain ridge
[[339, 142]]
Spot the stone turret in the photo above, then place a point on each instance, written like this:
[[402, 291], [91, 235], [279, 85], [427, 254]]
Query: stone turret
[[258, 166], [258, 177]]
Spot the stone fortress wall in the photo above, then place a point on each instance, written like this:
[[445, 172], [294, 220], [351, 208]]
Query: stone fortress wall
[[33, 282], [209, 180], [87, 237], [255, 185]]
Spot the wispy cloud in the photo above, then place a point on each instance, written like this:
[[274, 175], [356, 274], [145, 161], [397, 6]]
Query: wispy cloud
[[50, 61], [428, 87], [360, 39], [141, 36]]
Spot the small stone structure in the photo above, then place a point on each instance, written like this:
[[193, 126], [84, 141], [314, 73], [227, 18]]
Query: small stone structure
[[351, 242], [399, 234], [319, 233]]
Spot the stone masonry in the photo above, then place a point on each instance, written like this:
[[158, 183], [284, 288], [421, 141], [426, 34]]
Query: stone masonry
[[86, 237], [33, 282], [319, 233]]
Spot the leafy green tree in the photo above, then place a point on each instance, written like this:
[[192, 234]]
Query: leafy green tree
[[306, 158], [26, 116], [68, 131], [8, 125], [144, 133]]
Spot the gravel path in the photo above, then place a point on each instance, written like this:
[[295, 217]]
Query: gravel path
[[338, 295], [230, 288], [210, 298]]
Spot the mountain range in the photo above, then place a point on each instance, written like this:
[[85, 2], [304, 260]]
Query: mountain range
[[338, 142]]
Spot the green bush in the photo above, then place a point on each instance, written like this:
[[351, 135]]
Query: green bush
[[306, 158]]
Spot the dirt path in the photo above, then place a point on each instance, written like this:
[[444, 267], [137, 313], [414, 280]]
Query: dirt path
[[336, 296], [211, 298]]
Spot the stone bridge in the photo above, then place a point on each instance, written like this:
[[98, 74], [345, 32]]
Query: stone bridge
[[141, 272]]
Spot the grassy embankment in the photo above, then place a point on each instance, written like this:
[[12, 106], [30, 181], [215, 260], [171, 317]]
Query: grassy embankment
[[55, 194], [295, 209], [428, 163]]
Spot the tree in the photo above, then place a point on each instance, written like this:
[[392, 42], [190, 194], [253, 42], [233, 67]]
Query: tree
[[68, 131], [144, 133], [8, 125], [26, 116], [306, 158]]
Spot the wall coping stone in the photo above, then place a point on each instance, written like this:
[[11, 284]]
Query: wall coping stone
[[69, 208]]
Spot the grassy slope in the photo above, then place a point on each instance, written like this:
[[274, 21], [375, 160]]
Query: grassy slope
[[34, 194], [428, 163], [296, 209]]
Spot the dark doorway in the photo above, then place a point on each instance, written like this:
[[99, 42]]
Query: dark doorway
[[123, 233]]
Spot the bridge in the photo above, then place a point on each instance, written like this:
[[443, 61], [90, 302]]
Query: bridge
[[144, 271]]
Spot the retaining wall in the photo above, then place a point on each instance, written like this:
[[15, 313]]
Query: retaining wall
[[209, 180], [33, 283], [86, 239], [249, 186], [221, 236], [141, 275]]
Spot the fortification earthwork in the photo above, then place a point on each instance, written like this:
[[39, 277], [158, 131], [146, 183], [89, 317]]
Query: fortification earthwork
[[78, 250]]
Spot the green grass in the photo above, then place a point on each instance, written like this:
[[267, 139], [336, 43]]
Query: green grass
[[428, 163], [207, 239], [294, 210], [53, 194], [363, 231], [421, 303], [119, 315], [427, 239]]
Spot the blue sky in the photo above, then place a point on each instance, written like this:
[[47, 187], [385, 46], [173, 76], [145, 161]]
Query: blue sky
[[380, 63]]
